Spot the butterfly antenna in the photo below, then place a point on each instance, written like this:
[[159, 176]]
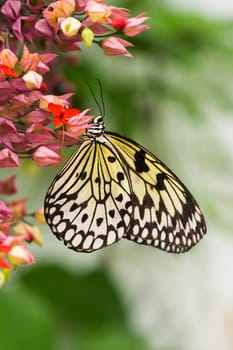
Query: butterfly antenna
[[102, 98], [101, 105], [96, 101]]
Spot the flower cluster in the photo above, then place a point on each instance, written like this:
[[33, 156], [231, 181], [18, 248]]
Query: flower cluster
[[34, 122], [15, 231]]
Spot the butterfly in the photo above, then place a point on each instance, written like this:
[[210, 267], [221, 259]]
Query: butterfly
[[113, 188]]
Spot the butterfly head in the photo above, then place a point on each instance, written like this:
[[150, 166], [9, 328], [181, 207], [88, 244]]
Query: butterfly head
[[97, 129]]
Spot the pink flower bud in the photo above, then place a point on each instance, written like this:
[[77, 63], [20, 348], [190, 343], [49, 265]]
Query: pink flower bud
[[5, 211], [19, 255], [44, 156], [7, 186], [8, 159], [57, 100], [58, 9], [116, 46], [70, 26], [32, 80], [18, 207], [30, 233], [42, 26], [11, 9], [97, 11], [8, 58], [134, 25]]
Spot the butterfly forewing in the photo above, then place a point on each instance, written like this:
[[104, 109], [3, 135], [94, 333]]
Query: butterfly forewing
[[85, 205], [165, 214]]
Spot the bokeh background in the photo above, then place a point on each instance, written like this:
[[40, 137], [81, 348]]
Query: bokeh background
[[174, 97]]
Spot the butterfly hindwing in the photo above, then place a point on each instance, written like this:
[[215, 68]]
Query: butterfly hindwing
[[165, 214]]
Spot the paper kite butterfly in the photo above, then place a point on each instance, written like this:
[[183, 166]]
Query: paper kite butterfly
[[113, 188]]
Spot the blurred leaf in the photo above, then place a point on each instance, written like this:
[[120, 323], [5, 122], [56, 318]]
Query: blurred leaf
[[86, 300], [86, 307], [25, 321], [114, 339]]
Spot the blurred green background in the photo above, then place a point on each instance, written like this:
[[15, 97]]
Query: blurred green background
[[175, 98]]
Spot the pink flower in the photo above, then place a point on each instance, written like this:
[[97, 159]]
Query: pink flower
[[7, 129], [80, 5], [116, 46], [134, 25], [59, 9], [70, 26], [33, 80], [78, 124], [29, 233], [7, 186], [43, 27], [35, 62], [57, 100], [45, 156], [8, 58], [8, 159], [40, 116], [7, 91], [4, 230], [5, 211], [11, 9], [18, 207], [35, 5], [119, 11], [97, 11], [23, 28], [19, 255], [38, 134]]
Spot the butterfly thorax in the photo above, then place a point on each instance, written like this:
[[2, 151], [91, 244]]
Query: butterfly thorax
[[97, 129]]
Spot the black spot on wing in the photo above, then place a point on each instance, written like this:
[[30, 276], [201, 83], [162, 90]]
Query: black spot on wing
[[119, 198], [99, 221], [74, 206], [139, 162], [120, 176], [84, 218], [147, 201], [83, 175], [111, 159], [160, 181], [112, 213]]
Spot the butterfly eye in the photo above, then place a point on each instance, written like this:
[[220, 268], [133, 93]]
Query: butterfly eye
[[113, 188], [99, 120]]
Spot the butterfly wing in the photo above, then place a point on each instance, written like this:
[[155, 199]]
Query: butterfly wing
[[165, 214], [85, 205]]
